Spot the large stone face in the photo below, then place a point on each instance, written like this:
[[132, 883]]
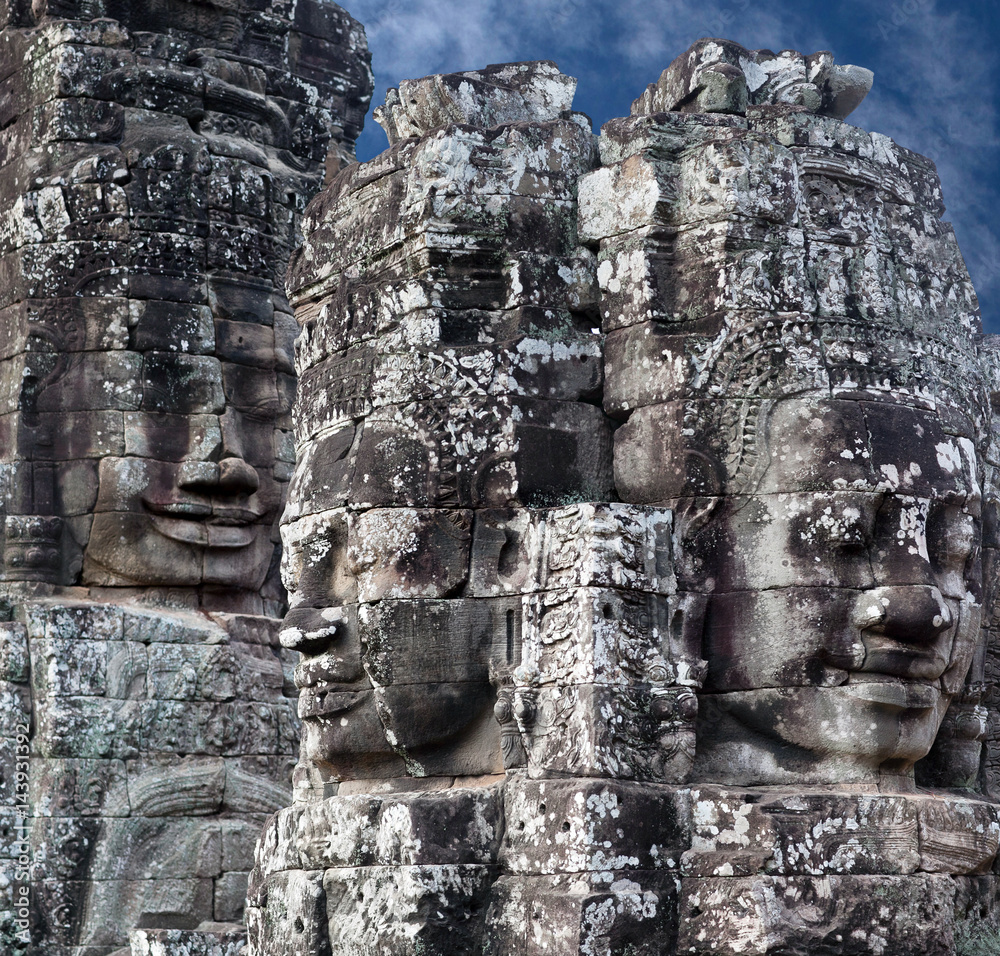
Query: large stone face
[[155, 161], [640, 542], [158, 161]]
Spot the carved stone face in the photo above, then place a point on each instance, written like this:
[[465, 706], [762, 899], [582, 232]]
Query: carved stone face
[[186, 493], [394, 675], [400, 691], [847, 604], [204, 516]]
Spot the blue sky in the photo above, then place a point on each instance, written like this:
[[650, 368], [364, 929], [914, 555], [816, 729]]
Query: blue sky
[[936, 64]]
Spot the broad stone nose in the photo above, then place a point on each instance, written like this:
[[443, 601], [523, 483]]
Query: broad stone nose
[[237, 477], [909, 613]]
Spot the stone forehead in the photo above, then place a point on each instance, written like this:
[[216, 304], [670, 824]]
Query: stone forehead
[[778, 358], [868, 446]]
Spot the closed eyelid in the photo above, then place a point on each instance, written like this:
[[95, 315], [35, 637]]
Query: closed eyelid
[[265, 410]]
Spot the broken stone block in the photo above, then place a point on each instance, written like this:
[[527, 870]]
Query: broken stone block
[[720, 76], [510, 92]]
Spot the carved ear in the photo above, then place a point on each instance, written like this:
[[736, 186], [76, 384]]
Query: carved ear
[[703, 485], [691, 515]]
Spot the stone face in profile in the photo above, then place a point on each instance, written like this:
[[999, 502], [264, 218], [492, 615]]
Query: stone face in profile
[[447, 337]]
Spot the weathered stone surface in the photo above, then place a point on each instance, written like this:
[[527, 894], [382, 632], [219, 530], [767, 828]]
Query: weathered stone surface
[[228, 941], [613, 912], [719, 76], [709, 588], [505, 93], [796, 914], [581, 826], [155, 162]]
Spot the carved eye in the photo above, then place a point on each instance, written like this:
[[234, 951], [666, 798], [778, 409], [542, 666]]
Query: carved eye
[[265, 412], [844, 525]]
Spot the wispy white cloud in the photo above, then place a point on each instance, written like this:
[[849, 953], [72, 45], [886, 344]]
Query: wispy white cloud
[[935, 92], [656, 32]]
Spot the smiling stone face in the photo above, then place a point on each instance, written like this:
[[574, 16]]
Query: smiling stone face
[[847, 602]]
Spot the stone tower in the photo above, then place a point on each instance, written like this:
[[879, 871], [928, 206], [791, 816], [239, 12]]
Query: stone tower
[[155, 160], [636, 543]]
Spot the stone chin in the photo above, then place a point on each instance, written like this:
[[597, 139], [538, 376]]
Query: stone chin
[[856, 732], [417, 729], [131, 549]]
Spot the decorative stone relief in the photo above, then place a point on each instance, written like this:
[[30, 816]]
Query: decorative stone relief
[[639, 546], [155, 161]]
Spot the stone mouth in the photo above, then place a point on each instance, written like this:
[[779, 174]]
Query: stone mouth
[[924, 665], [203, 523], [892, 691], [319, 675], [328, 703]]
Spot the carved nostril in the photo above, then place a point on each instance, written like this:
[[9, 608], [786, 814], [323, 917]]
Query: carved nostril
[[869, 612], [943, 619]]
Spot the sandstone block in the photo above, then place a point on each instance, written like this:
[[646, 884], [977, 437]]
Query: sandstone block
[[408, 553], [889, 914], [297, 921], [165, 784], [434, 909], [89, 727], [737, 833], [614, 912], [594, 730], [956, 835], [230, 897], [591, 826], [77, 787]]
